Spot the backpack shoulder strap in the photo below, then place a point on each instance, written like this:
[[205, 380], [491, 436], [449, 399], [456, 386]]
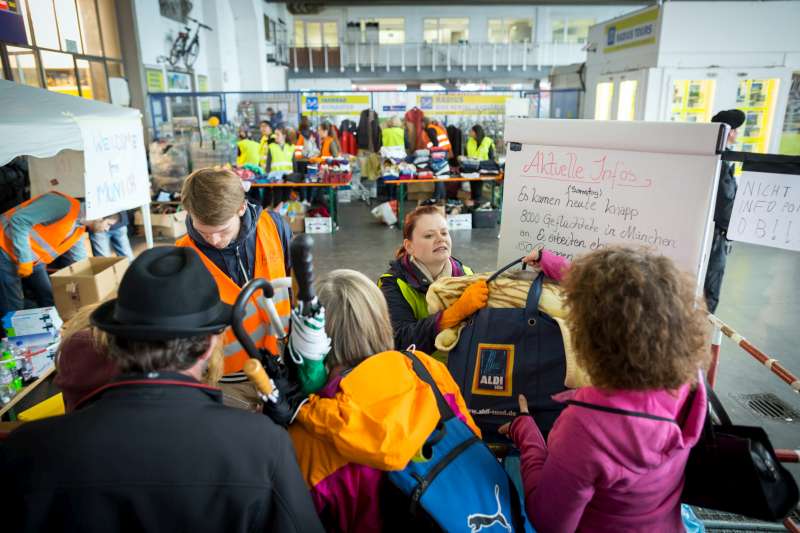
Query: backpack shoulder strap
[[422, 372], [623, 412]]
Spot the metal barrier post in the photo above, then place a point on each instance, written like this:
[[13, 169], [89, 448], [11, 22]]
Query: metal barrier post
[[713, 366]]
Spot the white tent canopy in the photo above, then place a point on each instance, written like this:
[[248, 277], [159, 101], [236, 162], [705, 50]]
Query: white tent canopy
[[77, 146]]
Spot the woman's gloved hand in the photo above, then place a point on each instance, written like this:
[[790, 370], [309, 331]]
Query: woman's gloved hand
[[474, 298]]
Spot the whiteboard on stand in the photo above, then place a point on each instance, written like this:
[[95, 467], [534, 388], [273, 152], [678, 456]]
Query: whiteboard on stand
[[575, 186]]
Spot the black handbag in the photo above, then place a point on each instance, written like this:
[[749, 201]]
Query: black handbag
[[735, 469], [503, 353]]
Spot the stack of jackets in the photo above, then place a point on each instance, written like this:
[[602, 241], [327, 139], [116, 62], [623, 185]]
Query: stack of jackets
[[489, 167], [439, 164]]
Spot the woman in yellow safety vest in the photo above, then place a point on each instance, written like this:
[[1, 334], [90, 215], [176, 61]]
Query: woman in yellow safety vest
[[248, 151], [480, 147], [393, 134], [280, 155], [424, 258]]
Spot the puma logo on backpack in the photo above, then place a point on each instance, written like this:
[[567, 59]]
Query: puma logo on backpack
[[478, 521]]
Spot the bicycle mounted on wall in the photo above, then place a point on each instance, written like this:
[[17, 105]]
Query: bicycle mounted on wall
[[186, 48]]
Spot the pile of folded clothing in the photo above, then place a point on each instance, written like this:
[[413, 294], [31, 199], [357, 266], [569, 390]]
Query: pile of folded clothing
[[470, 167], [390, 170], [425, 175], [439, 164], [335, 170], [312, 173], [395, 153], [407, 171], [489, 168], [421, 159]]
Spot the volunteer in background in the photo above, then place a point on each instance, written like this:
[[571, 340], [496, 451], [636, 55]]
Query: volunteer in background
[[726, 192], [437, 136], [344, 443], [237, 241], [110, 235], [247, 151], [424, 258], [155, 449], [329, 146], [275, 119], [44, 230], [280, 156], [267, 137], [393, 135], [479, 147]]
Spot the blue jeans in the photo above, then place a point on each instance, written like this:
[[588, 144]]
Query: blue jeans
[[116, 239], [12, 297]]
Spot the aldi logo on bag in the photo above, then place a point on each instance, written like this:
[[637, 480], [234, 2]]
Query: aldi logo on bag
[[494, 365]]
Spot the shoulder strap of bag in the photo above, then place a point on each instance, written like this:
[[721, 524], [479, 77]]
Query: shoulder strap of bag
[[422, 372], [623, 412], [715, 404]]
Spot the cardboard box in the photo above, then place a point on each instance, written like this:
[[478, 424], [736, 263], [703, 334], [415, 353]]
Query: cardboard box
[[296, 222], [439, 208], [319, 225], [419, 191], [459, 222], [170, 226], [344, 195], [86, 282], [485, 218]]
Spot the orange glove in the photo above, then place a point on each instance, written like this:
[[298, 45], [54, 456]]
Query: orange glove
[[473, 299], [25, 269]]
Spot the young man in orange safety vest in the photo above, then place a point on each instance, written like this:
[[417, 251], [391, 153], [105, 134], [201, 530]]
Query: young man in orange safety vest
[[238, 241], [32, 235]]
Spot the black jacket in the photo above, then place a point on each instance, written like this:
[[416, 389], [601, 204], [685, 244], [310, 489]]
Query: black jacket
[[164, 455], [726, 192], [243, 248], [368, 134], [407, 329]]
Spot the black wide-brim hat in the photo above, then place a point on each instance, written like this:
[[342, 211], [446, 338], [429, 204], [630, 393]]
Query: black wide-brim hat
[[166, 293]]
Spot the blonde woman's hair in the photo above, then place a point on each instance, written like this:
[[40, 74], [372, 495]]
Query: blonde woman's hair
[[212, 195], [356, 317], [394, 122]]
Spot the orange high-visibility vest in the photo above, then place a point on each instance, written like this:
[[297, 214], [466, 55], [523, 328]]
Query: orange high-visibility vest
[[298, 146], [269, 265], [325, 151], [442, 140], [47, 241]]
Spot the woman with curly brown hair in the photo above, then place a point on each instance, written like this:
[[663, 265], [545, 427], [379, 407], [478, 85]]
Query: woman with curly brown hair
[[615, 458]]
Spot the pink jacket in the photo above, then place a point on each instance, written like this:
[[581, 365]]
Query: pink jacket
[[603, 471]]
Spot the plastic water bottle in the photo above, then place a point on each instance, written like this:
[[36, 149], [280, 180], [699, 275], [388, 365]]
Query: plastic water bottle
[[6, 380]]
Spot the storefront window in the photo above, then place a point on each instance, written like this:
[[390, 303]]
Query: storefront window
[[757, 99], [692, 100], [90, 29], [313, 34], [330, 34], [626, 107], [44, 24], [68, 31], [23, 10], [115, 69], [92, 77], [299, 34], [24, 68], [790, 137], [510, 30], [449, 30], [59, 73], [108, 25], [604, 97]]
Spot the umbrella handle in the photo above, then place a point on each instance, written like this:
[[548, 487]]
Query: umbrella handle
[[303, 266], [240, 312], [255, 372]]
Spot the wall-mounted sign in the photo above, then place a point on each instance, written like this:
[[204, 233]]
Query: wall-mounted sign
[[335, 104], [463, 104], [179, 81], [637, 30], [155, 80]]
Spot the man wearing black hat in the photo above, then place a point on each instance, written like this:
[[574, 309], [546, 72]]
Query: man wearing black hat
[[156, 450], [726, 192]]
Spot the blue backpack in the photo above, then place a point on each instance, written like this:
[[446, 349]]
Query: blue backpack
[[456, 483]]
